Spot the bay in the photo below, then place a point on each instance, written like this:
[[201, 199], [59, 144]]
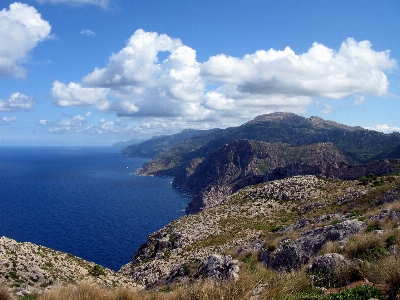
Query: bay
[[83, 201]]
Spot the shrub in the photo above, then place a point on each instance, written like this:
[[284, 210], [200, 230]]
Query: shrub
[[389, 272], [391, 240], [341, 276], [368, 247], [97, 270], [362, 292]]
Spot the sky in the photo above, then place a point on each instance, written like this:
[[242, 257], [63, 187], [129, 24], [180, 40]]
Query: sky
[[96, 72]]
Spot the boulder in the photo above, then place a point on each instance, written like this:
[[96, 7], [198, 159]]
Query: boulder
[[328, 263], [293, 255], [218, 267]]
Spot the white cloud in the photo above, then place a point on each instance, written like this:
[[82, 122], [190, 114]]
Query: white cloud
[[155, 76], [358, 100], [328, 109], [42, 122], [99, 3], [67, 125], [21, 29], [321, 72], [17, 101], [74, 94], [9, 119], [87, 32], [384, 128]]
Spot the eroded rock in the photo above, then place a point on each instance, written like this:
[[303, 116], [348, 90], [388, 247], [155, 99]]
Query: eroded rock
[[218, 267], [293, 255]]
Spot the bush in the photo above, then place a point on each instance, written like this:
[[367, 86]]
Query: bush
[[363, 292], [368, 247], [97, 270]]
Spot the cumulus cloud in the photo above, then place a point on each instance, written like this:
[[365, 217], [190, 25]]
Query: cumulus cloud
[[21, 29], [9, 119], [87, 32], [74, 94], [68, 125], [99, 3], [320, 72], [156, 76], [384, 128], [17, 101]]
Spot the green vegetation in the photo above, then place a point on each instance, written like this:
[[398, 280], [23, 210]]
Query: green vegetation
[[97, 270]]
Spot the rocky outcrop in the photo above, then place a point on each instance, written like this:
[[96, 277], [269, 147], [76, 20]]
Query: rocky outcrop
[[328, 263], [30, 268], [293, 255], [218, 267]]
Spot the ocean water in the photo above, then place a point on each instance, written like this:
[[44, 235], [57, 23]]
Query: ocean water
[[83, 201]]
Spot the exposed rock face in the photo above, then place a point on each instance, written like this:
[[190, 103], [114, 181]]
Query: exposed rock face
[[242, 163], [218, 267], [336, 170], [293, 255], [328, 262]]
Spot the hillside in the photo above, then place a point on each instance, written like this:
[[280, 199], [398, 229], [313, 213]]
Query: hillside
[[160, 144], [30, 268], [359, 145], [296, 238], [242, 163], [286, 224]]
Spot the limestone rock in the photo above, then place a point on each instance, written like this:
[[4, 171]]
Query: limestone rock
[[293, 255], [328, 262], [218, 267]]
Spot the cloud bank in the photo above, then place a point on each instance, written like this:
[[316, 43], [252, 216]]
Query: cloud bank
[[155, 76], [21, 29], [384, 128]]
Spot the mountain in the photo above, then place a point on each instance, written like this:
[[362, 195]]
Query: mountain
[[160, 144], [123, 145], [358, 144], [274, 146]]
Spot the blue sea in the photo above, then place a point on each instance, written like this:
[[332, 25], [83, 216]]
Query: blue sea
[[83, 201]]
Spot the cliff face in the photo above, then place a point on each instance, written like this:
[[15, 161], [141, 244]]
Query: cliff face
[[242, 163]]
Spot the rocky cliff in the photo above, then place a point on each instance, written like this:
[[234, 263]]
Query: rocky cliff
[[242, 163], [287, 223]]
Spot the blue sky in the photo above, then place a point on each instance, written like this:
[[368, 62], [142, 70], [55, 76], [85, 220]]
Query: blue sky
[[95, 72]]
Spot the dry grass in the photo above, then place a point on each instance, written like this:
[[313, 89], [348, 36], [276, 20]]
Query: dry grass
[[365, 246], [5, 293], [90, 291], [330, 247]]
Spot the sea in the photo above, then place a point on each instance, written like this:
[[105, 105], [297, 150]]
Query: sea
[[86, 201]]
